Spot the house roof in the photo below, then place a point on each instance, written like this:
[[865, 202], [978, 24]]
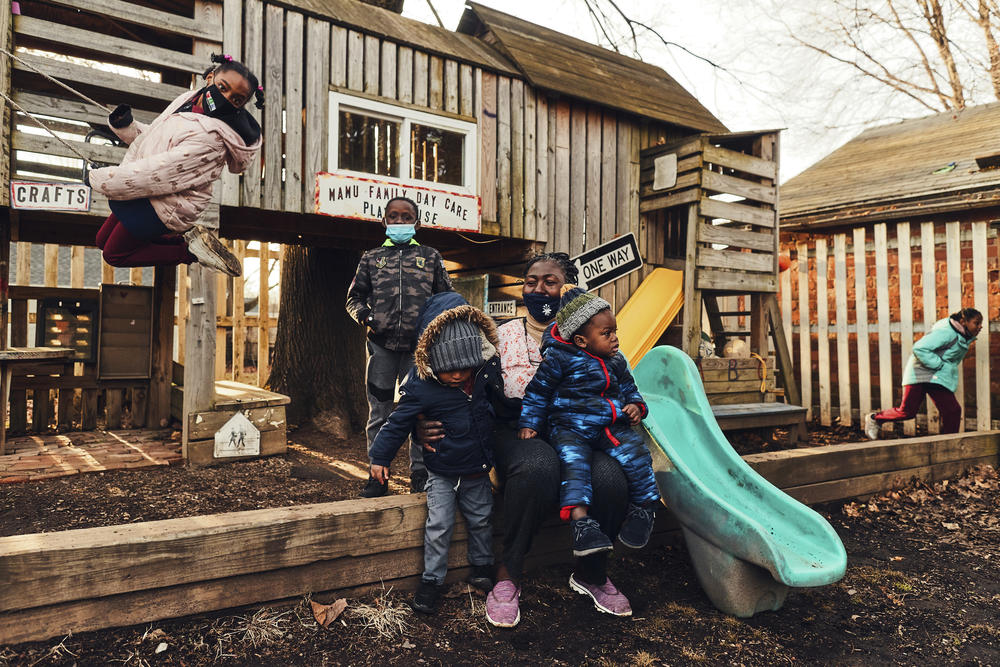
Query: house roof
[[564, 64], [915, 167], [385, 23]]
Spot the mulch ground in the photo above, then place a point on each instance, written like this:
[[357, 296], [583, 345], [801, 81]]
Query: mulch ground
[[921, 585]]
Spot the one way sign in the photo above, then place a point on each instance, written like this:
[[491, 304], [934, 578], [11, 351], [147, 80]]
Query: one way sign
[[609, 262]]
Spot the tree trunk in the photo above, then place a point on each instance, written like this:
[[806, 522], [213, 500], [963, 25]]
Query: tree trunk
[[319, 352]]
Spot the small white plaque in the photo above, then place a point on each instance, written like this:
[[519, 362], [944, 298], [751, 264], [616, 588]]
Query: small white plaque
[[503, 308], [665, 172], [49, 196], [238, 437]]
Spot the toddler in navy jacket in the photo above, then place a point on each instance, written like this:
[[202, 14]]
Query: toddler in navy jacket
[[583, 392], [455, 377]]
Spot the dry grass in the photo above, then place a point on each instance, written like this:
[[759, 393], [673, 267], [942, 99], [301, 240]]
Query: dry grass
[[643, 659], [264, 627], [692, 655], [59, 651], [382, 618]]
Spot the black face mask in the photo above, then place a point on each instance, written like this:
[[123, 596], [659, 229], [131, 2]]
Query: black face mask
[[216, 104]]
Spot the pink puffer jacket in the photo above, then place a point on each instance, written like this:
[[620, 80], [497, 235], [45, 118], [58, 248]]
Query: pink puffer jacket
[[175, 160]]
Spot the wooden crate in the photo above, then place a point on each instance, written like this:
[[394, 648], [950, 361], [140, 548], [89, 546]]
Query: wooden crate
[[737, 380], [265, 410]]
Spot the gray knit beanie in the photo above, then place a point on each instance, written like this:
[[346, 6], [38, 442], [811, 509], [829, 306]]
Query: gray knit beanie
[[576, 307], [458, 346]]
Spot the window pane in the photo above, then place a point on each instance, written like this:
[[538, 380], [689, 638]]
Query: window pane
[[436, 155], [369, 144]]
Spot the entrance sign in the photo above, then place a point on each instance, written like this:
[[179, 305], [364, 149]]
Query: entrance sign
[[238, 437], [360, 198], [502, 308], [608, 262], [49, 196]]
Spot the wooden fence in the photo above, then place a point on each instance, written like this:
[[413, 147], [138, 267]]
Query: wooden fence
[[855, 303], [72, 397]]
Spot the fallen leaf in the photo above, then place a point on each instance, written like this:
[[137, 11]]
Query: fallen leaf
[[852, 591], [152, 635], [406, 644], [895, 558], [161, 648], [325, 614], [949, 526]]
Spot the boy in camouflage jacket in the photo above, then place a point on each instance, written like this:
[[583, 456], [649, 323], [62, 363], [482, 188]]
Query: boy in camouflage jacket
[[390, 287]]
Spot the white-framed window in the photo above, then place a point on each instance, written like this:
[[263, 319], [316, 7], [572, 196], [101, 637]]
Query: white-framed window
[[399, 144]]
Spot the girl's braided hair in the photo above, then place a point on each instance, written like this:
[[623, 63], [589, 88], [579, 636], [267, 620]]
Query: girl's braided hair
[[225, 63], [560, 258]]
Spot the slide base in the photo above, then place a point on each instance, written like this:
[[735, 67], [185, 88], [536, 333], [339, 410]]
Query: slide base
[[734, 586]]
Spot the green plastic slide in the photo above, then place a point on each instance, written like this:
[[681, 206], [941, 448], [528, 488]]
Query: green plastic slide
[[748, 540]]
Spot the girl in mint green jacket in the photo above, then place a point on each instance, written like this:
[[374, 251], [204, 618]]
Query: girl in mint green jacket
[[932, 370]]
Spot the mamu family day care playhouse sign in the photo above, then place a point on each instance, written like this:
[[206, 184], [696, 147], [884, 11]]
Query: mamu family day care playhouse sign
[[359, 198]]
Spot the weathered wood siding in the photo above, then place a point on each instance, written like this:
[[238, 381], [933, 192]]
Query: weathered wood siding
[[552, 170]]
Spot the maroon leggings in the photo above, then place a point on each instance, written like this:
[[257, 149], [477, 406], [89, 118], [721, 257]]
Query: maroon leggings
[[913, 396], [122, 248]]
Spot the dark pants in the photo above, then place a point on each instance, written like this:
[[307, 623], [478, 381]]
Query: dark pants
[[576, 452], [913, 396], [133, 235], [530, 471]]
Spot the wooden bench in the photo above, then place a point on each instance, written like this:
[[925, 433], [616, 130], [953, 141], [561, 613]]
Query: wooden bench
[[740, 416]]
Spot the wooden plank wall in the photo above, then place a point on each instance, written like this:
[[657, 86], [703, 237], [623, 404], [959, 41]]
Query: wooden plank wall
[[560, 172], [75, 399], [891, 284]]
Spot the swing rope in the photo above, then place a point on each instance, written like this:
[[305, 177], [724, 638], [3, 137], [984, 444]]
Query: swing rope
[[53, 80], [45, 127]]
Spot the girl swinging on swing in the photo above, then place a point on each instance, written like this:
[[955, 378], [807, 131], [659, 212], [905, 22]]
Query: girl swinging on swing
[[165, 180]]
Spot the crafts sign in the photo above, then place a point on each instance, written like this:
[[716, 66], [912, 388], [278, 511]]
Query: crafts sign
[[49, 196], [358, 198], [609, 262]]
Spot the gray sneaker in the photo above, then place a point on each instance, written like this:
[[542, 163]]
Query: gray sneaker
[[211, 252], [872, 427]]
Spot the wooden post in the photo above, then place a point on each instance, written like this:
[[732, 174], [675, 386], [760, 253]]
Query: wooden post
[[980, 282], [953, 265], [199, 360], [691, 336], [929, 273], [4, 290], [158, 401], [905, 304], [823, 332], [6, 114]]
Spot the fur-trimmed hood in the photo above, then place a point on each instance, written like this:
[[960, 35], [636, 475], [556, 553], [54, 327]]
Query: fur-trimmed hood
[[441, 309]]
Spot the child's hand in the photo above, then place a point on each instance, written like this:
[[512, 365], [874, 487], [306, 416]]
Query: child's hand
[[633, 413], [527, 434], [380, 473]]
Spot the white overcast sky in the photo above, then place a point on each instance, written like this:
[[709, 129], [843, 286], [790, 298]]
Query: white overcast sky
[[734, 33]]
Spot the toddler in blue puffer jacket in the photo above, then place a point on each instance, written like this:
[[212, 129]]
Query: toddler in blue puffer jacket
[[584, 394]]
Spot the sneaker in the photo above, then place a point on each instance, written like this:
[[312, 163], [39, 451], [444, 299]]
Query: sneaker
[[502, 609], [211, 252], [637, 526], [606, 597], [481, 577], [588, 538], [425, 600], [374, 489], [872, 427], [418, 481]]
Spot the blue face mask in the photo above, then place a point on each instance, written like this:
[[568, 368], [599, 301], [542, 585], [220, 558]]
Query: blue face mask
[[541, 307], [400, 233]]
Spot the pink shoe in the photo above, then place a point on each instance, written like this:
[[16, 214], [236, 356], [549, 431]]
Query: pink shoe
[[606, 597], [502, 608]]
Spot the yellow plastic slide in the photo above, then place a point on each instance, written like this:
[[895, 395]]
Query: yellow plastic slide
[[650, 310]]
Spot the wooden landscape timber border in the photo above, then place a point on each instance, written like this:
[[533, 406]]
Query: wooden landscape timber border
[[82, 580]]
